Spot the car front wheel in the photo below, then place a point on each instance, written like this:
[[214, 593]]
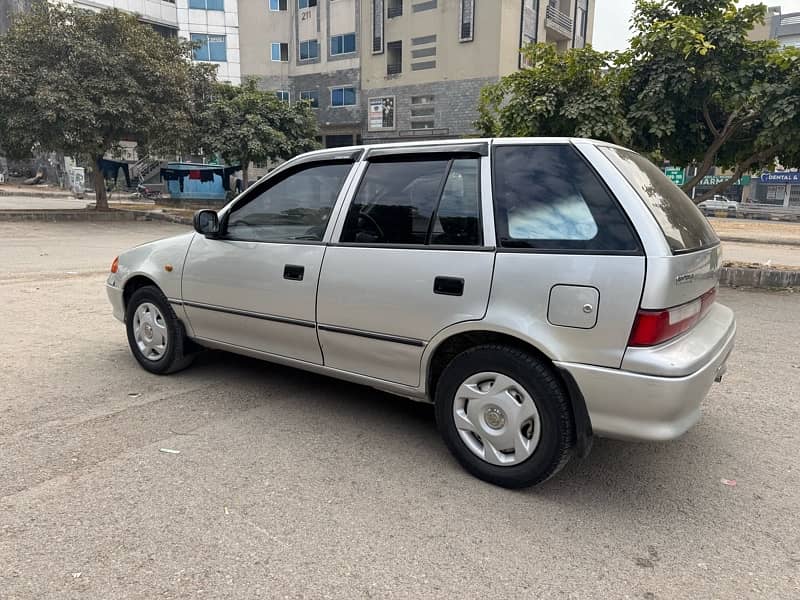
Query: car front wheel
[[504, 415], [155, 335]]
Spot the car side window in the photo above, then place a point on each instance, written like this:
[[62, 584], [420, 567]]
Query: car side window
[[416, 202], [547, 197], [295, 207]]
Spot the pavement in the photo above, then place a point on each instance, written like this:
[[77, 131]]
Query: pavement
[[292, 485]]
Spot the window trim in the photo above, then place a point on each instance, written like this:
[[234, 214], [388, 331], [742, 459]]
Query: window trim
[[308, 47], [481, 246], [342, 35], [301, 99], [639, 251], [343, 87], [280, 53], [207, 44], [281, 173]]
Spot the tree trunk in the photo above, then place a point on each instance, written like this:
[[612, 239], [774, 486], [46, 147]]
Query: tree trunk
[[245, 180], [740, 169], [100, 196]]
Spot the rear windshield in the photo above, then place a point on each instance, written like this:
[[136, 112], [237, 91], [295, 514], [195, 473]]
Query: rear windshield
[[684, 226]]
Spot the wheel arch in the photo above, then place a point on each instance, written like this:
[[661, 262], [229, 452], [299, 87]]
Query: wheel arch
[[455, 343], [134, 283]]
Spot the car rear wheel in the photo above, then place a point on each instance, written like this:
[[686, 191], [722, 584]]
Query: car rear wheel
[[155, 335], [504, 415]]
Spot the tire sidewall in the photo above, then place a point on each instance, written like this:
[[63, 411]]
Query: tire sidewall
[[174, 336], [546, 457]]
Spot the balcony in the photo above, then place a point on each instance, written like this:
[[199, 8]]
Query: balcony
[[558, 22]]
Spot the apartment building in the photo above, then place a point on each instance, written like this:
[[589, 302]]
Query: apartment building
[[214, 24], [785, 28], [381, 70]]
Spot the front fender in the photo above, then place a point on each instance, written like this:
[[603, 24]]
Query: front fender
[[161, 261]]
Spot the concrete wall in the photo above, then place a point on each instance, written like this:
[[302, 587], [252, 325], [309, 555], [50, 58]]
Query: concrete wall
[[454, 109]]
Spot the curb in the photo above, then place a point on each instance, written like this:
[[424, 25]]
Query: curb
[[33, 194], [67, 214], [773, 279], [768, 241]]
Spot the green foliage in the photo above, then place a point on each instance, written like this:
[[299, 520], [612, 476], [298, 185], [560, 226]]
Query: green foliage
[[569, 94], [244, 124], [693, 88], [79, 82]]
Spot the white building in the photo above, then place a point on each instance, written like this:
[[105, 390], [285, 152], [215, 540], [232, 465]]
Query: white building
[[212, 23]]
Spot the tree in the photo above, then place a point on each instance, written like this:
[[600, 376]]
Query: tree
[[575, 93], [79, 82], [245, 124], [692, 89]]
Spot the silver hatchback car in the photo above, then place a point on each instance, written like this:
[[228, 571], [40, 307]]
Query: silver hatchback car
[[537, 291]]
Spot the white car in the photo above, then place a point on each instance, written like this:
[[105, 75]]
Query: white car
[[719, 204], [537, 291]]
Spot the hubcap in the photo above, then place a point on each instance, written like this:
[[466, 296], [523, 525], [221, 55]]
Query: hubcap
[[150, 331], [496, 418]]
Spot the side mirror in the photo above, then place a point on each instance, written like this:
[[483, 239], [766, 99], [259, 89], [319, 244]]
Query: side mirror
[[206, 222]]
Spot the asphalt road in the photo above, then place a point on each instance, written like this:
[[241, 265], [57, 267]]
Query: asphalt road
[[291, 485]]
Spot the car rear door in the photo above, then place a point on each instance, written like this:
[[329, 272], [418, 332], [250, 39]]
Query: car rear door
[[570, 267], [255, 285], [408, 259]]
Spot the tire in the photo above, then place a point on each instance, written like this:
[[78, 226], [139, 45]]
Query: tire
[[538, 383], [160, 359]]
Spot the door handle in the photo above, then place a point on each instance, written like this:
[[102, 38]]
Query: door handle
[[448, 286], [293, 272]]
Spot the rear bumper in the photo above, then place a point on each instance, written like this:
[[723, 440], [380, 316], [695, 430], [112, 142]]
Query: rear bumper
[[652, 407]]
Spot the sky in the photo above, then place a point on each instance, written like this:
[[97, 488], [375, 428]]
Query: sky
[[611, 20]]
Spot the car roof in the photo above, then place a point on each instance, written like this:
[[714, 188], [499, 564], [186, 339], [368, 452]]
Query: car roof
[[453, 142]]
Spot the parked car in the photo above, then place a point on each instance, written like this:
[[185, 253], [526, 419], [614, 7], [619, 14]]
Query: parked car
[[719, 204], [538, 291]]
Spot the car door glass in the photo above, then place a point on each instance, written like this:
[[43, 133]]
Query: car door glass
[[296, 207], [457, 221], [395, 202], [547, 197]]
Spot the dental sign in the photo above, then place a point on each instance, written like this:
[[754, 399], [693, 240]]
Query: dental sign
[[780, 177]]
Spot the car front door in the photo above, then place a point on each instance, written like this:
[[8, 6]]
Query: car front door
[[407, 259], [255, 285]]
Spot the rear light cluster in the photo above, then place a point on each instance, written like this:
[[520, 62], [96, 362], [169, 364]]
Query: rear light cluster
[[654, 327]]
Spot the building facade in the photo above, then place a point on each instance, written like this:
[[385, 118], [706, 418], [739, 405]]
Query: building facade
[[214, 24], [785, 28], [381, 70]]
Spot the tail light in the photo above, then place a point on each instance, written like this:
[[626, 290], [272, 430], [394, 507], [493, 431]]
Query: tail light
[[115, 265], [653, 327]]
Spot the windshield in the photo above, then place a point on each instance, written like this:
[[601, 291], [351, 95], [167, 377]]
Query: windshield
[[683, 224]]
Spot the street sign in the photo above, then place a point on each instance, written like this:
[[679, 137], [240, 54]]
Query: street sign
[[712, 180], [781, 177], [676, 174]]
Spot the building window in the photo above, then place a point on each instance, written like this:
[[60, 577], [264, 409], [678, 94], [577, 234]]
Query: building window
[[280, 52], [207, 4], [377, 26], [394, 58], [309, 50], [312, 97], [422, 99], [276, 5], [306, 3], [343, 44], [530, 25], [466, 20], [211, 48], [343, 96], [381, 113], [283, 95], [395, 9], [581, 12], [422, 125]]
